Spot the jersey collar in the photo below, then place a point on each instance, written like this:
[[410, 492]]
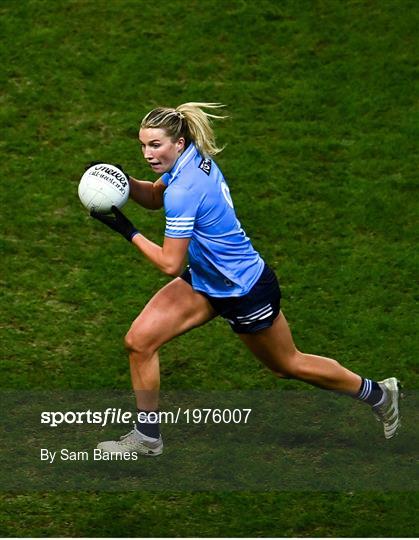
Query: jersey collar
[[181, 162]]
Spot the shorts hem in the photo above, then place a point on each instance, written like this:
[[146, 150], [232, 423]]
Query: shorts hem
[[256, 329]]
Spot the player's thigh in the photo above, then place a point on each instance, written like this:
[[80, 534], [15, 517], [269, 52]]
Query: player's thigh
[[274, 346], [173, 310]]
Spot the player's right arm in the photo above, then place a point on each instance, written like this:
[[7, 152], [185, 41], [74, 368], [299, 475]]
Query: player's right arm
[[147, 194]]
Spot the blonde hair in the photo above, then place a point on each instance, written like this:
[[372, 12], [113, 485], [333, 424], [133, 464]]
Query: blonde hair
[[189, 121]]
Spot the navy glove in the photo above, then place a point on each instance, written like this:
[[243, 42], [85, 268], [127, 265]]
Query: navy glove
[[118, 222]]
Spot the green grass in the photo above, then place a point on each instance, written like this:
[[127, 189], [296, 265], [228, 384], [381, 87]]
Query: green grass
[[322, 163]]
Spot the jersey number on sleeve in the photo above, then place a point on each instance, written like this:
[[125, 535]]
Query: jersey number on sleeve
[[226, 193]]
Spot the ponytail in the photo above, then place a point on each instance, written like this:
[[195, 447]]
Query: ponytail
[[190, 121], [199, 126]]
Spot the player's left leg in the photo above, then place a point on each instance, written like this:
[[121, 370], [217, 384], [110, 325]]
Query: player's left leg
[[275, 347]]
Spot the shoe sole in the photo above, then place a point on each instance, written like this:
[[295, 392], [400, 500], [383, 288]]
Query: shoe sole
[[400, 396]]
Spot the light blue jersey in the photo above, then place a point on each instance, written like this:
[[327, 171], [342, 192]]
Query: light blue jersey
[[198, 206]]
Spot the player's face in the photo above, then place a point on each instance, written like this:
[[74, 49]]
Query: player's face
[[159, 150]]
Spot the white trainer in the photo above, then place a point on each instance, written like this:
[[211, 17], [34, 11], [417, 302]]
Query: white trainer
[[388, 411], [133, 442]]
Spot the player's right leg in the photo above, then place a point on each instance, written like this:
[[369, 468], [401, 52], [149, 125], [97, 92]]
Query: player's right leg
[[172, 311]]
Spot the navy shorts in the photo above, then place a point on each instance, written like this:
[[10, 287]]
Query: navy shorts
[[252, 312]]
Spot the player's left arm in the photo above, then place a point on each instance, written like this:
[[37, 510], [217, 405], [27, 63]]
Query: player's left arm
[[181, 206], [169, 258]]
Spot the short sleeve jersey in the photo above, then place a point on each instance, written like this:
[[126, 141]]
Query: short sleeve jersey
[[198, 206]]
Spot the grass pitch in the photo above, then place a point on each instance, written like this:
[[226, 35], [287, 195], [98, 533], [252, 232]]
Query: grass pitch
[[322, 162]]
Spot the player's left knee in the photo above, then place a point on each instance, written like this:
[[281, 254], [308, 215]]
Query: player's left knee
[[298, 367]]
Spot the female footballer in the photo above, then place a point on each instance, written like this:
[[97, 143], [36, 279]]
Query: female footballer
[[225, 276]]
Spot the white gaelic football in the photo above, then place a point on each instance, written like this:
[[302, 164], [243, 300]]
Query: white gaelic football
[[103, 186]]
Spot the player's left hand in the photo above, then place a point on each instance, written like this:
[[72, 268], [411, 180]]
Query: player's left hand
[[118, 222]]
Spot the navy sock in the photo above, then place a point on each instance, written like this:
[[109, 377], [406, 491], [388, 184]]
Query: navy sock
[[147, 423], [370, 392]]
